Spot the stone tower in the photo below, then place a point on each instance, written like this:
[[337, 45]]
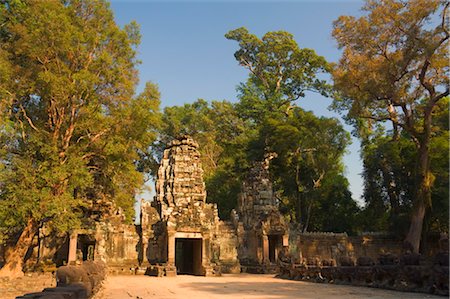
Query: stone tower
[[261, 229], [183, 238], [180, 184]]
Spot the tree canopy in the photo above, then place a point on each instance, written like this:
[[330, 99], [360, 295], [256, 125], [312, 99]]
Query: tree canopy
[[394, 69], [70, 128]]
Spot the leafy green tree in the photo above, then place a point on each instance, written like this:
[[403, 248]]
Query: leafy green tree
[[310, 151], [309, 148], [70, 127], [388, 182], [335, 210], [280, 72], [439, 164], [394, 69]]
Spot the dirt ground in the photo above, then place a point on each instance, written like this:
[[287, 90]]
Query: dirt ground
[[11, 288], [245, 286]]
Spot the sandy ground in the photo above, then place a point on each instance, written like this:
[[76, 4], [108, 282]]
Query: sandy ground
[[10, 289], [245, 286]]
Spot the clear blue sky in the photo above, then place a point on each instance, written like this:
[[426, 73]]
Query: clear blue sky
[[184, 51]]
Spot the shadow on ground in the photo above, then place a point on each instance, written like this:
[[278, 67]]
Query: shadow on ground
[[282, 289]]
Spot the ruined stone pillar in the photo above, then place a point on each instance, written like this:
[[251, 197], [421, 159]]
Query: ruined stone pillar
[[171, 249], [265, 239], [72, 256], [171, 269]]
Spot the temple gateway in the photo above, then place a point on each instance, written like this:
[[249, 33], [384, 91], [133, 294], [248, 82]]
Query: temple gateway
[[181, 233]]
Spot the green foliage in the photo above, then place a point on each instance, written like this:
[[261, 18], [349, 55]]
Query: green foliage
[[309, 149], [389, 183], [70, 129], [439, 156], [280, 72], [309, 152]]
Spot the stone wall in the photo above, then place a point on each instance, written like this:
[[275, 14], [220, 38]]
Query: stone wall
[[325, 246], [228, 248], [113, 241], [403, 274]]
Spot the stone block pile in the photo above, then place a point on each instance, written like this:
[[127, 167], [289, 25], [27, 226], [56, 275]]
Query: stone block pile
[[406, 273], [74, 282]]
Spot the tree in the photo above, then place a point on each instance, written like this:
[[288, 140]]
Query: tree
[[309, 148], [309, 151], [388, 181], [394, 69], [69, 125], [280, 72]]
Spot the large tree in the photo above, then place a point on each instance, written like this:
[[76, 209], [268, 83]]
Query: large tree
[[70, 127], [309, 156], [280, 72], [309, 148], [394, 70]]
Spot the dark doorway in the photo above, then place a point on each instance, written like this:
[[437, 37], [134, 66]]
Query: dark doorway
[[275, 244], [188, 256], [85, 247]]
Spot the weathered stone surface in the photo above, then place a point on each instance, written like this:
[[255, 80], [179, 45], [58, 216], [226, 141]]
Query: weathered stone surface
[[426, 279], [261, 229], [74, 282], [180, 212]]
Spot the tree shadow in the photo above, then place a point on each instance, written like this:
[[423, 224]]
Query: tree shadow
[[276, 288], [238, 287]]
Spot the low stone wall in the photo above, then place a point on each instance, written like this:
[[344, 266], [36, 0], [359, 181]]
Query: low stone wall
[[323, 245], [74, 282], [404, 274]]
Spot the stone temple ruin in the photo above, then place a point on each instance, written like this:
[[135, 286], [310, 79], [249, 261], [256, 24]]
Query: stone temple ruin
[[260, 227], [181, 233], [179, 229]]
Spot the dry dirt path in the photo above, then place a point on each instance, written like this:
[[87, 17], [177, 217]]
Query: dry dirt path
[[245, 286]]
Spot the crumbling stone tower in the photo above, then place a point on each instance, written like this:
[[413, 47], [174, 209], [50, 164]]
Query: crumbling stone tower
[[261, 229], [180, 184], [183, 238]]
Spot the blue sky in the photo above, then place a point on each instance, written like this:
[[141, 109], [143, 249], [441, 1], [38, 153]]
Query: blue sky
[[184, 51]]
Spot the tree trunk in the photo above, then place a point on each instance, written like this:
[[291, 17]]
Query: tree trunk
[[390, 185], [15, 255], [415, 228], [299, 194], [424, 182], [308, 216]]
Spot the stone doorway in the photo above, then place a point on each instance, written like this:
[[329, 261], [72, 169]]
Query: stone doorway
[[188, 256], [275, 245], [85, 247]]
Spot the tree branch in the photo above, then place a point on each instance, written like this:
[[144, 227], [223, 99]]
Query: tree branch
[[27, 118]]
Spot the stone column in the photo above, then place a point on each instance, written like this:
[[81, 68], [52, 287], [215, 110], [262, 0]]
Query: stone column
[[72, 257], [171, 270], [171, 249], [265, 239]]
